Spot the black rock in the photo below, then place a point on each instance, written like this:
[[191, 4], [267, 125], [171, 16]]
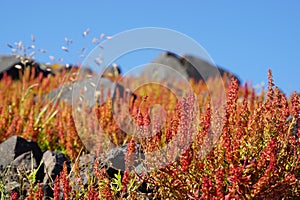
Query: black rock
[[188, 66], [25, 163], [48, 192], [13, 65], [115, 159], [53, 162], [86, 167], [115, 162], [88, 90], [14, 147], [19, 161]]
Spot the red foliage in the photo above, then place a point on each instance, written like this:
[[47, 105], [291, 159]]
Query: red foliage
[[256, 156]]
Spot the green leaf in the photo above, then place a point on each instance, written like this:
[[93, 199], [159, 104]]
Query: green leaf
[[116, 184]]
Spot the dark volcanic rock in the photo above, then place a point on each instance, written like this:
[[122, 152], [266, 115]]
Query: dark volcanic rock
[[48, 192], [115, 159], [115, 162], [53, 162], [20, 158], [89, 89], [14, 147], [86, 167], [13, 65], [8, 61], [25, 163], [187, 66]]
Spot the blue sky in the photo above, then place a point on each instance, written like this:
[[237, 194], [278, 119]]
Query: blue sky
[[246, 38]]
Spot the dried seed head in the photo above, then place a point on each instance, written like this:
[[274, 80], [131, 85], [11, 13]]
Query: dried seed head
[[64, 48], [19, 44], [31, 47], [31, 55], [68, 41], [86, 32], [52, 58], [92, 84], [98, 60], [32, 38], [102, 35], [9, 45], [97, 94], [81, 98], [42, 50], [18, 66], [95, 40]]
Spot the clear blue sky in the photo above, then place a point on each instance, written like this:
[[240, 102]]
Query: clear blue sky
[[245, 37]]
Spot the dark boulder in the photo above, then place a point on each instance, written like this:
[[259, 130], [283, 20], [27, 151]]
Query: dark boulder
[[20, 157], [187, 66], [14, 147], [53, 162], [115, 159], [48, 192], [88, 90], [26, 164], [86, 168], [13, 66], [55, 69]]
